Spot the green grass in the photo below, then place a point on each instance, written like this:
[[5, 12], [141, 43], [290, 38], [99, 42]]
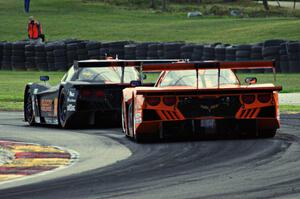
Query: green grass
[[12, 85], [100, 21], [289, 108]]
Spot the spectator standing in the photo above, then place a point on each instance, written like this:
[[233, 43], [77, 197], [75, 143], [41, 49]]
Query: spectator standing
[[35, 33], [26, 5]]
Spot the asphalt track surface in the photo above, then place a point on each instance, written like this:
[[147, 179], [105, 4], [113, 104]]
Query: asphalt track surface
[[257, 168]]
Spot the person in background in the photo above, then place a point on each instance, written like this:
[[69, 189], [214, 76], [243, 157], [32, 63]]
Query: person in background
[[35, 33], [26, 5]]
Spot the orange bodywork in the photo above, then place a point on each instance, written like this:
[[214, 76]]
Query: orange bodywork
[[147, 109]]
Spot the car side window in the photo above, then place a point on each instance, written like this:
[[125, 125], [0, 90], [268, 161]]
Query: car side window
[[68, 76]]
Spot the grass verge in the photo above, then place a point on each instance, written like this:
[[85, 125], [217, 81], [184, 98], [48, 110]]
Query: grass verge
[[95, 20]]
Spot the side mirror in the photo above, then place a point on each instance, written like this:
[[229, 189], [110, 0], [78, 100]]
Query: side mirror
[[135, 83], [44, 78], [251, 80], [144, 76]]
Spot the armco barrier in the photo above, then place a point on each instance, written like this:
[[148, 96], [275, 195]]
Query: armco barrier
[[60, 55]]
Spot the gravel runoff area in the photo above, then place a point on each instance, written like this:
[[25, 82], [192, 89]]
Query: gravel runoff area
[[289, 98]]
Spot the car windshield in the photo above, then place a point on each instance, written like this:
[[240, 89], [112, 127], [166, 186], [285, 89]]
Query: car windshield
[[207, 78], [106, 74]]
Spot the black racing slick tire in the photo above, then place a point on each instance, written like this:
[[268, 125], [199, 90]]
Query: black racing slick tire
[[62, 110], [28, 109]]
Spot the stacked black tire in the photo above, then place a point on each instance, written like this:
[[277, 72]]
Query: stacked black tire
[[230, 53], [293, 49], [172, 50], [129, 51], [208, 52], [116, 49], [152, 52], [41, 57], [256, 52], [186, 51], [284, 59], [1, 54], [18, 56], [271, 52], [6, 59], [197, 54], [71, 53], [243, 52], [93, 48], [220, 52], [49, 48], [60, 57], [141, 50], [82, 52], [30, 57]]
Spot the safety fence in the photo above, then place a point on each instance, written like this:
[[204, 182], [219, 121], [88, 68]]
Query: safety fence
[[60, 55]]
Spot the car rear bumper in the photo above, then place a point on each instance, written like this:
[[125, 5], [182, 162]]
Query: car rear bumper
[[207, 126]]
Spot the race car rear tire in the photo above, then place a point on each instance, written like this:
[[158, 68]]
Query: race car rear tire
[[62, 110], [28, 109]]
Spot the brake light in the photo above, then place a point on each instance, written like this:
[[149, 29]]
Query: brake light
[[153, 101], [86, 93], [248, 99], [100, 93], [264, 98], [169, 101]]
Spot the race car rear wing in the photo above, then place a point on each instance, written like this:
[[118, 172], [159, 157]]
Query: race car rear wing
[[197, 65], [121, 63], [208, 65]]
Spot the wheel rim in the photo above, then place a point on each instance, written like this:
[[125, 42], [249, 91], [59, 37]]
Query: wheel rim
[[62, 109], [28, 108]]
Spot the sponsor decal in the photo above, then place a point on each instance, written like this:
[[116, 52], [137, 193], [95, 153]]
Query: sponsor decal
[[71, 107], [138, 118], [71, 93], [209, 108], [72, 100], [46, 105], [55, 107], [51, 120]]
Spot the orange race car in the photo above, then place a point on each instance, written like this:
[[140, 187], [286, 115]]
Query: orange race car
[[201, 98]]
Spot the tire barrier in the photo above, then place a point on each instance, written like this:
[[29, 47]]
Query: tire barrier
[[60, 55], [186, 51], [1, 54], [18, 56], [129, 51], [30, 63]]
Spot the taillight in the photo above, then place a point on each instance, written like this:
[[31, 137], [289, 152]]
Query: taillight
[[153, 101], [248, 99], [169, 101], [264, 98], [100, 93], [86, 93]]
